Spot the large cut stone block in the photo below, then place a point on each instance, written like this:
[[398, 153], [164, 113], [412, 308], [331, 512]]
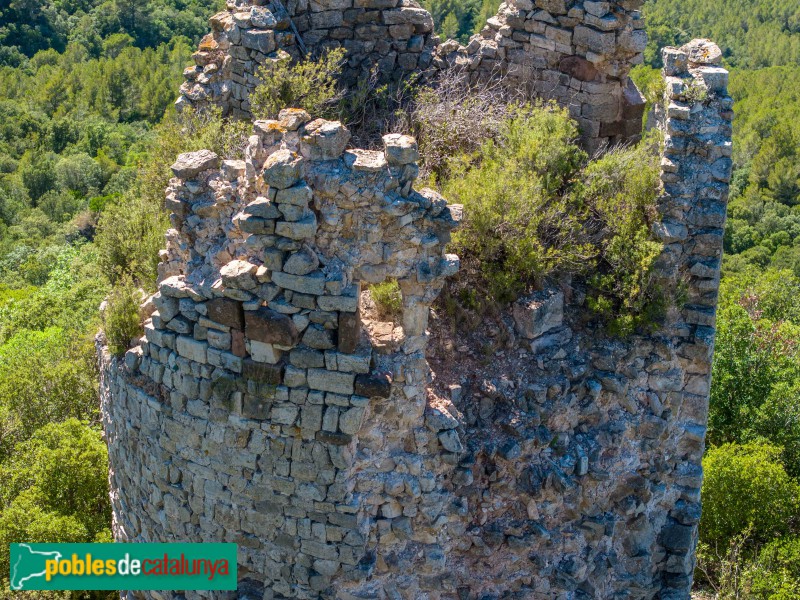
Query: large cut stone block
[[266, 325], [192, 349], [226, 312], [331, 381], [191, 164]]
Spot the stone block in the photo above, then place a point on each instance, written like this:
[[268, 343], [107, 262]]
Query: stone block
[[350, 420], [271, 327], [283, 169], [597, 41], [313, 283], [263, 208], [374, 385], [349, 332], [262, 372], [190, 164], [263, 41], [239, 274], [262, 352], [306, 358], [400, 149], [301, 262], [192, 349], [324, 140], [297, 195], [538, 313], [298, 230], [331, 381], [226, 312]]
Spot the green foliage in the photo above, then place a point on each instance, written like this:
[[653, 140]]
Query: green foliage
[[130, 234], [520, 225], [459, 19], [776, 574], [307, 84], [746, 485], [751, 33], [45, 376], [95, 26], [388, 299], [534, 207], [121, 320], [54, 488], [620, 188]]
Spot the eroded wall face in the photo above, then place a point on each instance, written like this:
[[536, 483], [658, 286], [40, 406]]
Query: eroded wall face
[[578, 53], [257, 409]]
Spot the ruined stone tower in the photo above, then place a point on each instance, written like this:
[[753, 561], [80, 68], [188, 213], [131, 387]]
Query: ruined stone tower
[[256, 409]]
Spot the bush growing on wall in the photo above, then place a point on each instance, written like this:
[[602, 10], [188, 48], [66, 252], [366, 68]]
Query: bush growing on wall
[[307, 84], [121, 319], [534, 207]]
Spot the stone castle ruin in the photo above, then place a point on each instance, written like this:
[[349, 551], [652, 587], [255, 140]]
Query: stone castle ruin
[[261, 408]]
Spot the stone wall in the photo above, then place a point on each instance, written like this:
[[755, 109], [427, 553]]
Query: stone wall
[[578, 53], [257, 410]]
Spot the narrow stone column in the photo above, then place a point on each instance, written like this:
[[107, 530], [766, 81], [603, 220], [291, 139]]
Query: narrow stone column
[[695, 171]]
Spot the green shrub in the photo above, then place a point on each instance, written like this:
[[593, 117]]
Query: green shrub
[[388, 299], [744, 486], [121, 320], [776, 575], [130, 233], [535, 209], [307, 84], [519, 225], [621, 190]]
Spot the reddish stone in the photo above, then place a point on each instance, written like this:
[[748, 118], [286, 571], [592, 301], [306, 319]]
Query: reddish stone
[[271, 327], [349, 332], [227, 312], [237, 343], [579, 68]]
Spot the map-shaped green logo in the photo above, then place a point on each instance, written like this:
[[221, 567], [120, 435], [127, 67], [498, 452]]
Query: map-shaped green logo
[[28, 564]]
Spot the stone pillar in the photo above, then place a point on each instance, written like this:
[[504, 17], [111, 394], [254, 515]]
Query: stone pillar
[[696, 167]]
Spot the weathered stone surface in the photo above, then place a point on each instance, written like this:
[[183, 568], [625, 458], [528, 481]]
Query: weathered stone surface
[[324, 140], [333, 480], [537, 314], [266, 325], [283, 169], [262, 372], [331, 381], [239, 274], [400, 149], [226, 312], [263, 208], [191, 164], [312, 283], [375, 385], [302, 263]]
